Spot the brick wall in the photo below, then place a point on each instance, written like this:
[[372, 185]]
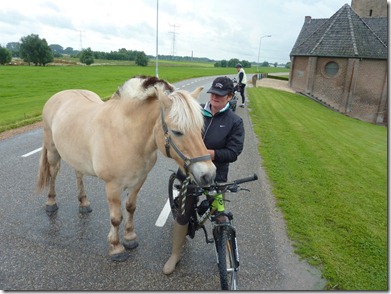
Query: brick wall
[[370, 8], [358, 89]]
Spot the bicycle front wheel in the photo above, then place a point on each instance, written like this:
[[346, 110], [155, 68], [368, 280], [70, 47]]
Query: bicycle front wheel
[[225, 247]]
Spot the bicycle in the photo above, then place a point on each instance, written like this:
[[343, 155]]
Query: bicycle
[[223, 230], [234, 101]]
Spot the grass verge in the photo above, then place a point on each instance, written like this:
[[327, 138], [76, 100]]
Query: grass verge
[[329, 174], [25, 89]]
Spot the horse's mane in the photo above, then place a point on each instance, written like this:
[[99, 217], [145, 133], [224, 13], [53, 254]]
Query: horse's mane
[[185, 111], [141, 88]]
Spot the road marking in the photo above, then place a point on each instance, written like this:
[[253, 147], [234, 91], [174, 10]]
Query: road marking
[[161, 220], [32, 152]]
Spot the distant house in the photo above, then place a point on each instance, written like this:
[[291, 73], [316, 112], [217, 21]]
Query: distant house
[[342, 61]]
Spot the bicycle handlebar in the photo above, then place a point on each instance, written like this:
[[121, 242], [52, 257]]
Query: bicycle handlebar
[[254, 177], [234, 183], [231, 186]]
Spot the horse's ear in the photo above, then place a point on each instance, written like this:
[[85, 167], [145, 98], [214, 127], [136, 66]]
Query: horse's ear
[[196, 92]]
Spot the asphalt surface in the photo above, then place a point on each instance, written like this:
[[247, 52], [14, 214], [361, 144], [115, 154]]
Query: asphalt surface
[[69, 251]]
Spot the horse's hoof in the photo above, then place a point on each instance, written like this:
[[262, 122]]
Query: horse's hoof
[[51, 208], [120, 257], [129, 245], [85, 209]]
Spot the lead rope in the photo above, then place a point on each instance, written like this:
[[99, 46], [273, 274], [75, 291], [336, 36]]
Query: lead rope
[[183, 194]]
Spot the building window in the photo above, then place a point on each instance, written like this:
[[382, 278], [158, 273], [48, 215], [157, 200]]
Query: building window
[[331, 68]]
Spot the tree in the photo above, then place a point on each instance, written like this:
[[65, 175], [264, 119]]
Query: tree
[[246, 64], [87, 56], [224, 63], [141, 59], [5, 55], [45, 54], [233, 62], [57, 50], [68, 50], [35, 50], [14, 47]]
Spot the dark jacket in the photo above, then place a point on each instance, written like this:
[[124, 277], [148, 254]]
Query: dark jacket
[[224, 133]]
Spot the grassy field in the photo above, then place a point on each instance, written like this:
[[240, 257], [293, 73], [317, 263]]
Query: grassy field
[[25, 89], [329, 174]]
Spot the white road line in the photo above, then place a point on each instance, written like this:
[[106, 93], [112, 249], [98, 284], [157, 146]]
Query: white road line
[[32, 152], [161, 220]]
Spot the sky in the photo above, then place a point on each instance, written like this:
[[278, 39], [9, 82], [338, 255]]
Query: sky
[[216, 29]]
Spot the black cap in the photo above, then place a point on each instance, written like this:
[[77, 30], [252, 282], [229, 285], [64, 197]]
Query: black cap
[[238, 65], [221, 86]]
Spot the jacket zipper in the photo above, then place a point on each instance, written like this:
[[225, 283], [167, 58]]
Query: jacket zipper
[[207, 128]]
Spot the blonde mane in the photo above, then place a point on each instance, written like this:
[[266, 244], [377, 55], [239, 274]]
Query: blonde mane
[[186, 112], [141, 88]]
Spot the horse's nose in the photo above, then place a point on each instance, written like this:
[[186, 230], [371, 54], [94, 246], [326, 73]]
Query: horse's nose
[[207, 179], [203, 173]]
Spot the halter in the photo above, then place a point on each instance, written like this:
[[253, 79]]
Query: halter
[[187, 161]]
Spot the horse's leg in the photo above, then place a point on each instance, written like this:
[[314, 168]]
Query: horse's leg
[[84, 203], [130, 236], [117, 251], [54, 161]]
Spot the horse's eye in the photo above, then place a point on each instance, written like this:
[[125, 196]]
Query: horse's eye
[[177, 133]]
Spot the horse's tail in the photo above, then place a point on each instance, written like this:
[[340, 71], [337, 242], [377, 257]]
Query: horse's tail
[[44, 171]]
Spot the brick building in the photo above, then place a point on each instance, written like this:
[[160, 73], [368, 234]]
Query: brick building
[[342, 61]]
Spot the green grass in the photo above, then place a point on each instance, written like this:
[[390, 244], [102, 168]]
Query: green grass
[[25, 89], [329, 174]]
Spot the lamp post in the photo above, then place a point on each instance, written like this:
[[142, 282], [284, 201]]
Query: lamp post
[[157, 38], [259, 49]]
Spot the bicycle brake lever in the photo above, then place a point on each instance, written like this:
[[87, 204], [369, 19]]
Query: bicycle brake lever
[[234, 188]]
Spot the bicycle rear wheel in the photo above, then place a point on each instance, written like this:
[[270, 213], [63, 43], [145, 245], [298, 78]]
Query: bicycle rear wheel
[[173, 193], [225, 246]]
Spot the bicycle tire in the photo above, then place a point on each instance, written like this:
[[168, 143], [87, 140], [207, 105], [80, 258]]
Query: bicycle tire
[[228, 270], [172, 194]]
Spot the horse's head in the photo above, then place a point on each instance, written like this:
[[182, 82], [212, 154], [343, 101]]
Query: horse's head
[[181, 126]]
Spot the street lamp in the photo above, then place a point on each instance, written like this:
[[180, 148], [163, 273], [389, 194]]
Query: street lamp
[[259, 49], [157, 38]]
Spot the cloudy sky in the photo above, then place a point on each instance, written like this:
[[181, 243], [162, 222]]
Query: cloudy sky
[[217, 29]]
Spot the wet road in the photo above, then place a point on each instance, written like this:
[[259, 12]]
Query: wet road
[[68, 251]]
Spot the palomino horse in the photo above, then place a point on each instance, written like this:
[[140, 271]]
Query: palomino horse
[[117, 141]]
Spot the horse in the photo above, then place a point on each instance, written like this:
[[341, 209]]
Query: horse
[[117, 141]]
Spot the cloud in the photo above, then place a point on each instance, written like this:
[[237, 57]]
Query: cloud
[[218, 29]]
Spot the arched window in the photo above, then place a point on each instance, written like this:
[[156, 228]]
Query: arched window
[[331, 68]]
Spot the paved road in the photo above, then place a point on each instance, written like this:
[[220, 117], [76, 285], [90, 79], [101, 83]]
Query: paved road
[[68, 251]]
